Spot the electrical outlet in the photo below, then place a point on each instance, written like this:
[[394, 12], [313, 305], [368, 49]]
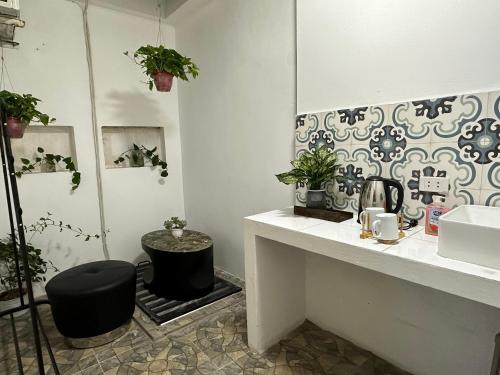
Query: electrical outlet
[[434, 184]]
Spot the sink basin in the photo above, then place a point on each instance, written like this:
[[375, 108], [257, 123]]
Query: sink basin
[[471, 234]]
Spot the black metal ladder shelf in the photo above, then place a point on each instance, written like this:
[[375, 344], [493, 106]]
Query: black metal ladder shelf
[[21, 259]]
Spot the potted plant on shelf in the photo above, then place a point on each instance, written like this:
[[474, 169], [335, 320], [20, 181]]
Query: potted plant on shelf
[[20, 111], [48, 163], [314, 169], [162, 64], [136, 155], [38, 267], [176, 226]]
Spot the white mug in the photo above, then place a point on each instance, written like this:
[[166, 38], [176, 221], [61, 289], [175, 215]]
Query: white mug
[[385, 227], [373, 211]]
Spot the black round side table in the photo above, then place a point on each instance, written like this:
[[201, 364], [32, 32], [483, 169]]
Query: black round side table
[[182, 268]]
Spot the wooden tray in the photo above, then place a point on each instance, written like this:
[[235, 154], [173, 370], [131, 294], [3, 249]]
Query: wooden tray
[[318, 213]]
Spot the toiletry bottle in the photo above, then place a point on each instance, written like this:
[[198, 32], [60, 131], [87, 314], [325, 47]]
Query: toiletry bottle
[[432, 213]]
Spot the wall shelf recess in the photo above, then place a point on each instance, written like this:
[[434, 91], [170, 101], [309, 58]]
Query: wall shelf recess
[[53, 139], [117, 139]]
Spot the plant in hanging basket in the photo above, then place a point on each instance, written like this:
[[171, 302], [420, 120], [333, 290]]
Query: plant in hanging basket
[[161, 64], [48, 163], [136, 155], [313, 169], [20, 111]]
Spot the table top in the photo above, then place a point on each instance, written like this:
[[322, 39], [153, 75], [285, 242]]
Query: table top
[[413, 258], [162, 240]]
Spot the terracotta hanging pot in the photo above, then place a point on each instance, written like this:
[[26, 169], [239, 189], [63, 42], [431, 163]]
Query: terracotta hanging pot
[[15, 127], [163, 81]]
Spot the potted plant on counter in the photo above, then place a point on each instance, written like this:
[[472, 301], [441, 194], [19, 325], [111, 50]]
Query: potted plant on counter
[[20, 111], [176, 226], [314, 169], [162, 64]]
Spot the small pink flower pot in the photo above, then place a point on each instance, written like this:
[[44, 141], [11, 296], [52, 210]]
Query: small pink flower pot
[[15, 127], [163, 81]]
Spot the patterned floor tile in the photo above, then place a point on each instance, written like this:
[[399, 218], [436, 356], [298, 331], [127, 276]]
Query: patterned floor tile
[[213, 341]]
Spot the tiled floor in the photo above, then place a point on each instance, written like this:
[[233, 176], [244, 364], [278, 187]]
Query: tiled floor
[[211, 340]]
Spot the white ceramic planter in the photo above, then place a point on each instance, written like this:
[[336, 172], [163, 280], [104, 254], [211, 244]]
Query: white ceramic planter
[[177, 232]]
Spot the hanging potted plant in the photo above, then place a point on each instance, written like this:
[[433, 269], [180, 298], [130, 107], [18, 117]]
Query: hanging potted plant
[[176, 226], [20, 111], [162, 65], [314, 169]]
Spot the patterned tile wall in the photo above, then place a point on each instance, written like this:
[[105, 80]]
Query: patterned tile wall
[[455, 136]]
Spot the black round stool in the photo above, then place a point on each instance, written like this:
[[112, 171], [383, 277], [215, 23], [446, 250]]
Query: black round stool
[[92, 303]]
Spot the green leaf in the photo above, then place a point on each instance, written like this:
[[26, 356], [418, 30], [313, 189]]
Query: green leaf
[[25, 161], [313, 168], [164, 173], [40, 150]]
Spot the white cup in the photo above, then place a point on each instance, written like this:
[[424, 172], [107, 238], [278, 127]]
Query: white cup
[[385, 227], [373, 211]]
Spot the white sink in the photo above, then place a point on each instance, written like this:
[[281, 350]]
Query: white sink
[[471, 234]]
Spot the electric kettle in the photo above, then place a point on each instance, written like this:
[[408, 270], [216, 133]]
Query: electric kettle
[[376, 192]]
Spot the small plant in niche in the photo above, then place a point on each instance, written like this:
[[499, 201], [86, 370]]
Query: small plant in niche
[[161, 64], [21, 109], [37, 265], [175, 226], [48, 163], [136, 155], [314, 169]]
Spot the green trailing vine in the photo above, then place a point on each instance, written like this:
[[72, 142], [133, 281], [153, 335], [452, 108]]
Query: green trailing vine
[[37, 265], [51, 161], [47, 221], [136, 155]]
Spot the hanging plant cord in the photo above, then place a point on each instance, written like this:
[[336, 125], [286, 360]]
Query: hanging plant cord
[[5, 72], [159, 36]]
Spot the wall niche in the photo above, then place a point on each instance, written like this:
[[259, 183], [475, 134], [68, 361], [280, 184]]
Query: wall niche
[[53, 139], [118, 139]]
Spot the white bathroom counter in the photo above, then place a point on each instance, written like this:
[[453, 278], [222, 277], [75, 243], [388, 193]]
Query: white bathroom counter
[[274, 270]]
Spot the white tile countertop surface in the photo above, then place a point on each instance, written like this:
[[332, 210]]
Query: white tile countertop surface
[[413, 258]]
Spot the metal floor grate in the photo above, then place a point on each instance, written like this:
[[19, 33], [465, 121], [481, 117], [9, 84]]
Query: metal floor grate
[[161, 310]]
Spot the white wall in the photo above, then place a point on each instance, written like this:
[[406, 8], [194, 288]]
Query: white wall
[[362, 52], [35, 67], [136, 200], [237, 116], [51, 64]]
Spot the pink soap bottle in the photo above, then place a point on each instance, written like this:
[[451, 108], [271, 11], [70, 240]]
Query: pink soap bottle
[[432, 213]]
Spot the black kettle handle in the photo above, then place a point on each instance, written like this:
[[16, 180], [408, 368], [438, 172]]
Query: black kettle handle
[[399, 187]]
